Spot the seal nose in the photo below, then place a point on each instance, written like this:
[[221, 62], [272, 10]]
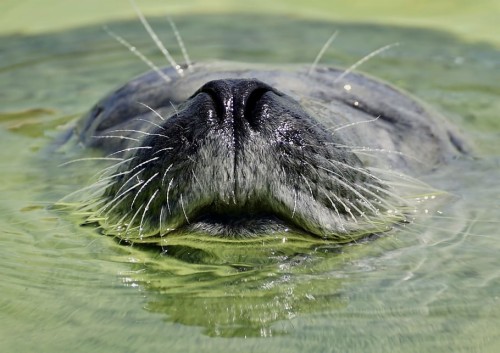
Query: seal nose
[[236, 99]]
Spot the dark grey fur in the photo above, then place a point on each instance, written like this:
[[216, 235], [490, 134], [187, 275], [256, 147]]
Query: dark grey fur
[[241, 150]]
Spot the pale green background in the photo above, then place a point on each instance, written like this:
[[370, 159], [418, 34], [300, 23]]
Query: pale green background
[[473, 20]]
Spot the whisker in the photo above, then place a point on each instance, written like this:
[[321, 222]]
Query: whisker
[[101, 175], [377, 188], [119, 224], [363, 60], [165, 174], [336, 210], [137, 53], [136, 167], [151, 123], [400, 176], [161, 227], [322, 52], [112, 176], [350, 187], [156, 40], [162, 149], [337, 128], [139, 181], [117, 201], [181, 44], [76, 192], [139, 132], [184, 210], [308, 185], [154, 111], [196, 179], [90, 206], [90, 159], [347, 209], [356, 169], [294, 202], [141, 224], [120, 137], [356, 208], [142, 188], [175, 108], [168, 193], [133, 219], [362, 150], [128, 150]]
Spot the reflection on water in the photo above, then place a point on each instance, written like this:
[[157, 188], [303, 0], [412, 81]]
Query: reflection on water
[[432, 285]]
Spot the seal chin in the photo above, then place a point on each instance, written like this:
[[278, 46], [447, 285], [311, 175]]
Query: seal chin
[[240, 158]]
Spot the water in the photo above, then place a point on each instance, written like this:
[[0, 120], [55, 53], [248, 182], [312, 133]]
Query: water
[[432, 286]]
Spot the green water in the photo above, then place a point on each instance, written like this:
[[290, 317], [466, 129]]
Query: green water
[[433, 286]]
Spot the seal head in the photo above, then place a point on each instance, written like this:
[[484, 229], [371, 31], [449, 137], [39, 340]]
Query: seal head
[[238, 157]]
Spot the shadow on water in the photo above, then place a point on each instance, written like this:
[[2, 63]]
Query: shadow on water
[[48, 80], [240, 299]]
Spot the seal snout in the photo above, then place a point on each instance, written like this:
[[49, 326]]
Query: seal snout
[[237, 103], [240, 158]]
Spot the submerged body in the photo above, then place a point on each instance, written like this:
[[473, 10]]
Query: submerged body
[[238, 150]]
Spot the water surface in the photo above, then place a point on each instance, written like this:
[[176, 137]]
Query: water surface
[[432, 286]]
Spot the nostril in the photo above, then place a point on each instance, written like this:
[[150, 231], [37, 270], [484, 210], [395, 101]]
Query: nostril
[[236, 100], [252, 103], [217, 99]]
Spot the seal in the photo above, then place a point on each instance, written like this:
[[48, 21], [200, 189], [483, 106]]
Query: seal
[[235, 150], [244, 150]]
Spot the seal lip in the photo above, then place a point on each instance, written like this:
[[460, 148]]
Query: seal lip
[[244, 225]]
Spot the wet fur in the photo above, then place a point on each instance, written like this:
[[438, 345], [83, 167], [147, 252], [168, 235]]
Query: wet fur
[[349, 147]]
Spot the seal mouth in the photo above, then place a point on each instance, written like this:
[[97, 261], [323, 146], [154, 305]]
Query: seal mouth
[[239, 159], [232, 225]]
